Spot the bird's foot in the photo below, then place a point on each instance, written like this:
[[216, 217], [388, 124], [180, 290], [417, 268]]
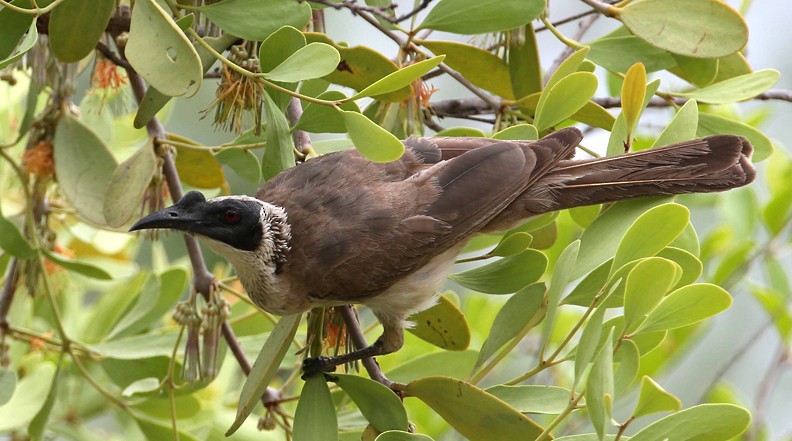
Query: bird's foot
[[317, 365]]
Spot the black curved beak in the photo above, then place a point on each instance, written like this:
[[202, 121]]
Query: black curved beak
[[182, 216]]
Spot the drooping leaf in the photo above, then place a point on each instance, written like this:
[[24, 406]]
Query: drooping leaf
[[519, 314], [476, 17], [697, 71], [381, 407], [161, 53], [371, 140], [533, 398], [124, 194], [482, 68], [402, 77], [512, 244], [734, 89], [474, 413], [442, 325], [653, 398], [13, 242], [279, 155], [525, 66], [83, 268], [587, 345], [13, 25], [506, 275], [27, 43], [705, 422], [83, 166], [40, 420], [254, 20], [695, 28], [687, 305], [89, 16], [600, 389], [318, 118], [629, 358], [315, 417], [710, 124], [199, 167], [242, 161], [264, 369]]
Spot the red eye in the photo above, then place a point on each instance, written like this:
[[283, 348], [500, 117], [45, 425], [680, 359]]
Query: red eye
[[231, 216]]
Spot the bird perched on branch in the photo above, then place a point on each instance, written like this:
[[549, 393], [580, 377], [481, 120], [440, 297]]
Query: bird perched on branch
[[340, 229]]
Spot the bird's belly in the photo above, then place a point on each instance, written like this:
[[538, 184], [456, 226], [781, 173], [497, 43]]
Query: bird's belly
[[417, 291]]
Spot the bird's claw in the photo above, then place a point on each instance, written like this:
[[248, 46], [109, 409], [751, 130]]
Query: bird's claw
[[317, 365]]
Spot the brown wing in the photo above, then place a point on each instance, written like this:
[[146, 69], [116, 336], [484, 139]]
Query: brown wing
[[362, 226]]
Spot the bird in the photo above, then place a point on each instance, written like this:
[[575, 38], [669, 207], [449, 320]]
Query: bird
[[339, 229]]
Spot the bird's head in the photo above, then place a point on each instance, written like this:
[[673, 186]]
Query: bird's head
[[237, 227]]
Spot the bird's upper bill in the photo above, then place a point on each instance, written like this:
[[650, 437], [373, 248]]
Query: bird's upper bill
[[184, 215]]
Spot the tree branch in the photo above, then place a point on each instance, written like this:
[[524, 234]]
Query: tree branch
[[359, 340]]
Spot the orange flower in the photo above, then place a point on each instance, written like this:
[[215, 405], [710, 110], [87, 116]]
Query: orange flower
[[39, 160], [65, 252], [106, 75]]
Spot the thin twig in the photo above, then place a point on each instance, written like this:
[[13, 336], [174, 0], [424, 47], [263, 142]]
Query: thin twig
[[359, 340], [583, 27], [302, 140]]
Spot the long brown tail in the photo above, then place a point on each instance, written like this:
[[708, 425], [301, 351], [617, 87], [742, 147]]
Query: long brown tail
[[711, 164]]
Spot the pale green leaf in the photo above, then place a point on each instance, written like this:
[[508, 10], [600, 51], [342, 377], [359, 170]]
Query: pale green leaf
[[402, 77], [533, 398], [506, 275], [378, 404], [279, 155], [83, 268], [312, 61], [89, 16], [687, 305], [647, 284], [256, 20], [653, 399], [564, 99], [520, 132], [705, 422], [371, 140], [710, 124], [242, 161], [315, 417], [650, 233], [734, 89], [124, 194], [477, 17], [682, 127], [482, 68]]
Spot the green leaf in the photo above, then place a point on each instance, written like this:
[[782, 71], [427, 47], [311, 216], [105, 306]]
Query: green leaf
[[144, 303], [685, 306], [371, 140], [265, 367], [621, 138], [695, 28], [651, 232], [568, 67], [482, 68], [89, 16], [8, 382], [279, 46], [28, 398], [619, 50], [83, 268], [705, 422], [397, 435], [587, 345], [697, 71], [646, 285], [550, 400], [312, 61], [19, 51], [558, 282], [124, 194], [600, 389], [254, 20], [361, 67], [653, 399], [457, 364], [512, 244], [378, 404], [629, 363], [279, 155], [318, 118], [564, 99], [476, 17], [39, 422], [83, 166], [682, 127], [710, 124], [599, 241], [506, 275], [474, 413], [520, 132], [315, 417], [244, 163], [691, 266], [159, 429], [517, 316], [525, 65], [13, 242], [13, 25], [402, 77], [199, 168], [471, 132], [153, 344], [632, 95], [161, 53], [734, 89], [442, 325]]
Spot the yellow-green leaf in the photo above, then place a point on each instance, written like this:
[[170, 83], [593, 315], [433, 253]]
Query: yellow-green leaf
[[650, 233], [564, 99], [705, 422], [83, 268], [371, 140], [256, 20], [506, 275], [482, 68], [402, 77], [199, 168], [477, 17], [442, 325], [710, 124], [378, 404], [687, 305], [734, 89], [633, 92], [682, 127], [653, 399], [520, 132]]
